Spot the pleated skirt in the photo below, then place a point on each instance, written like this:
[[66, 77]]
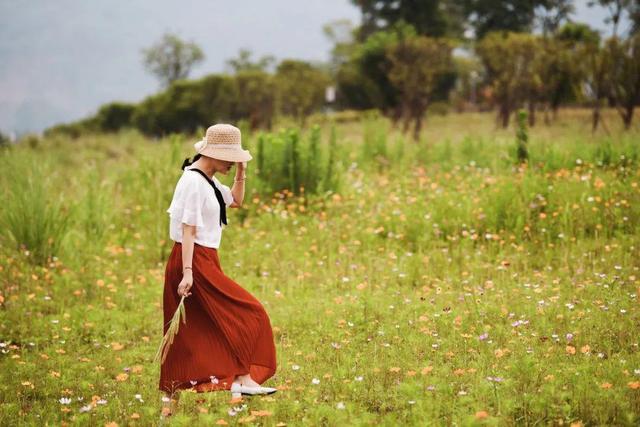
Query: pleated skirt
[[227, 330]]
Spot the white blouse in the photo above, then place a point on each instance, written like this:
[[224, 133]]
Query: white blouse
[[194, 203]]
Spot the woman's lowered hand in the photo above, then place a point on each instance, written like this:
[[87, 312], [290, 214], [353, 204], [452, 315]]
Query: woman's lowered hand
[[185, 284]]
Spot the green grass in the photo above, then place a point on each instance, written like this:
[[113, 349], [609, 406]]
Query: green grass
[[429, 284]]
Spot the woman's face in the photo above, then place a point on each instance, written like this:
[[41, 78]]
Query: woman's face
[[223, 166]]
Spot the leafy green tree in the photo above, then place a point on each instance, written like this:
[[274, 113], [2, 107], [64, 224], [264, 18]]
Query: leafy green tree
[[417, 66], [563, 72], [509, 60], [597, 63], [255, 97], [187, 106], [616, 10], [634, 16], [625, 75], [171, 58], [485, 16], [244, 62], [559, 75], [342, 35], [468, 71], [552, 13], [301, 88], [115, 116], [372, 63], [434, 18]]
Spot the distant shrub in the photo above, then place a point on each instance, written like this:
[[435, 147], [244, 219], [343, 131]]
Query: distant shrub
[[190, 105], [4, 140], [115, 116]]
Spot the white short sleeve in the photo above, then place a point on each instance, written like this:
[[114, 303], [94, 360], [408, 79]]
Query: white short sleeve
[[188, 203], [226, 194]]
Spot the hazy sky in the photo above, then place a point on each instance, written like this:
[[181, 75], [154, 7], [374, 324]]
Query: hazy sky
[[60, 60]]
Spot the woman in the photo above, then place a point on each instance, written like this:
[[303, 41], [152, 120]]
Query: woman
[[227, 341]]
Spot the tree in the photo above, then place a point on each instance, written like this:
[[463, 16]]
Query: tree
[[342, 34], [563, 72], [553, 13], [486, 16], [429, 17], [171, 58], [616, 9], [596, 60], [625, 75], [301, 88], [114, 116], [417, 66], [508, 59], [255, 97], [634, 16], [244, 62], [371, 62]]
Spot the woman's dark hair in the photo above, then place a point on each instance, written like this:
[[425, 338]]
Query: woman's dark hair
[[189, 163]]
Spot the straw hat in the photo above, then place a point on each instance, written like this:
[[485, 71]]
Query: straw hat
[[222, 141]]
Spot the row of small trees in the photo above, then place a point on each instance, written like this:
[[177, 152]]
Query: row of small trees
[[402, 73], [401, 61], [538, 71], [295, 89]]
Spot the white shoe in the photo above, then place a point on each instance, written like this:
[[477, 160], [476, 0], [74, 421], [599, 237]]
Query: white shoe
[[238, 390]]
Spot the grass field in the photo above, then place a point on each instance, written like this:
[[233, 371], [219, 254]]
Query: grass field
[[429, 284]]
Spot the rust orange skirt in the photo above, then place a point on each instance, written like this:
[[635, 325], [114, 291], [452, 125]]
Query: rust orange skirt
[[228, 331]]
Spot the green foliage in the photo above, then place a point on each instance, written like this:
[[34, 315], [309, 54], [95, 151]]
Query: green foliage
[[448, 286], [254, 98], [331, 181], [435, 18], [244, 62], [290, 161], [509, 60], [371, 62], [34, 217], [486, 16], [4, 140], [417, 66], [301, 88], [115, 116], [171, 58], [625, 75], [374, 143]]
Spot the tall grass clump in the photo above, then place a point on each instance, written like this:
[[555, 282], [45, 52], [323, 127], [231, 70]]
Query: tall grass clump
[[522, 138], [294, 162], [331, 180], [33, 216], [374, 143]]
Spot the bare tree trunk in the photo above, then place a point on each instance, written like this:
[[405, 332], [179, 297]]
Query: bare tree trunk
[[595, 118], [627, 116], [396, 115], [532, 113], [406, 117], [417, 126], [547, 119], [504, 114]]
